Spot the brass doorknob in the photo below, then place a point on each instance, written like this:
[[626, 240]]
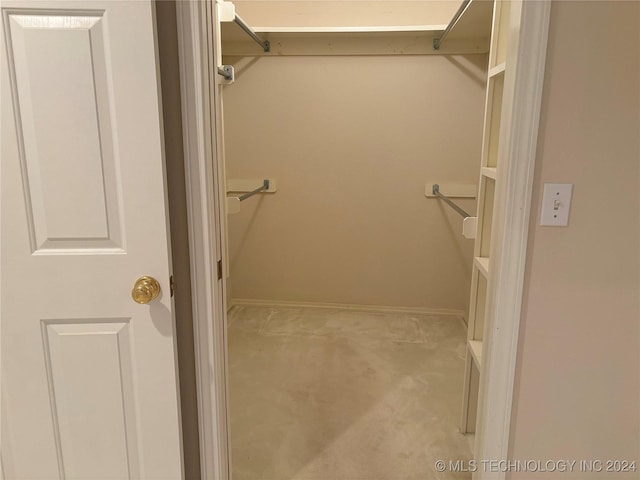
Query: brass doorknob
[[145, 290]]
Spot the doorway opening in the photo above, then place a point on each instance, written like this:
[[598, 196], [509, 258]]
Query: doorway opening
[[207, 187], [349, 280]]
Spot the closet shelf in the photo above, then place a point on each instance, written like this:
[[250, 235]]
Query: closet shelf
[[470, 33], [497, 70], [349, 41], [380, 29], [475, 347], [483, 265], [489, 172], [232, 33]]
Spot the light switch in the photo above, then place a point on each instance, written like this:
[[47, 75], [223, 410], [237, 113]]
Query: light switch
[[556, 201]]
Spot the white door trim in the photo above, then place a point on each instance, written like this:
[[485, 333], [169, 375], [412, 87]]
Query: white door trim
[[205, 203], [204, 210], [504, 309]]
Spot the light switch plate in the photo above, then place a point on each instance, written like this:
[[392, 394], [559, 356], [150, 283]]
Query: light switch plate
[[556, 202]]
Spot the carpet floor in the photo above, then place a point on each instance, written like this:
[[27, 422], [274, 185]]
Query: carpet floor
[[337, 394]]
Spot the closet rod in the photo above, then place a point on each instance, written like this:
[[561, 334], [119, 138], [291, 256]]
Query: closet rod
[[436, 191], [264, 186], [438, 41], [263, 43]]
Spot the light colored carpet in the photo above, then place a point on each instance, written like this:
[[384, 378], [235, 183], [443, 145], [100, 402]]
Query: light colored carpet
[[334, 394]]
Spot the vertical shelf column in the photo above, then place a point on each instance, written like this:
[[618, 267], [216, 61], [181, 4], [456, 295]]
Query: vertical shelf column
[[489, 174]]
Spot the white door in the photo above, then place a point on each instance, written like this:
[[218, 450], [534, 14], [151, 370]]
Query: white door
[[89, 383]]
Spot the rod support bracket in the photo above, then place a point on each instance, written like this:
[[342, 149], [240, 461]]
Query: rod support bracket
[[228, 72]]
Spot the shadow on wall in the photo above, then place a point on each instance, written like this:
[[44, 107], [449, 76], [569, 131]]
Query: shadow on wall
[[240, 240], [473, 66]]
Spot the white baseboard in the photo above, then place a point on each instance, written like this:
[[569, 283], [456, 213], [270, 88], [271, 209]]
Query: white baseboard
[[459, 314]]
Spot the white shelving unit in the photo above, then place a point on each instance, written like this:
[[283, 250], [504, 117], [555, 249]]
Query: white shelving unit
[[482, 264], [493, 164]]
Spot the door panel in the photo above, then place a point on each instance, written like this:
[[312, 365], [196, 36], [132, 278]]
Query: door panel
[[61, 98], [102, 384], [89, 382]]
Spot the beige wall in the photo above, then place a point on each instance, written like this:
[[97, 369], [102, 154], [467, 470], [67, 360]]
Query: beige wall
[[578, 374], [351, 142]]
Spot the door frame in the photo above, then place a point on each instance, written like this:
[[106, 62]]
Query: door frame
[[206, 207], [205, 190]]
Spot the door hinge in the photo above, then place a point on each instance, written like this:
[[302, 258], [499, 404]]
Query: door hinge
[[219, 269], [171, 285]]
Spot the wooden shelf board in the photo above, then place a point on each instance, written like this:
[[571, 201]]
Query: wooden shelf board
[[489, 172], [497, 70], [470, 35], [483, 265], [475, 347], [373, 29], [233, 33]]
